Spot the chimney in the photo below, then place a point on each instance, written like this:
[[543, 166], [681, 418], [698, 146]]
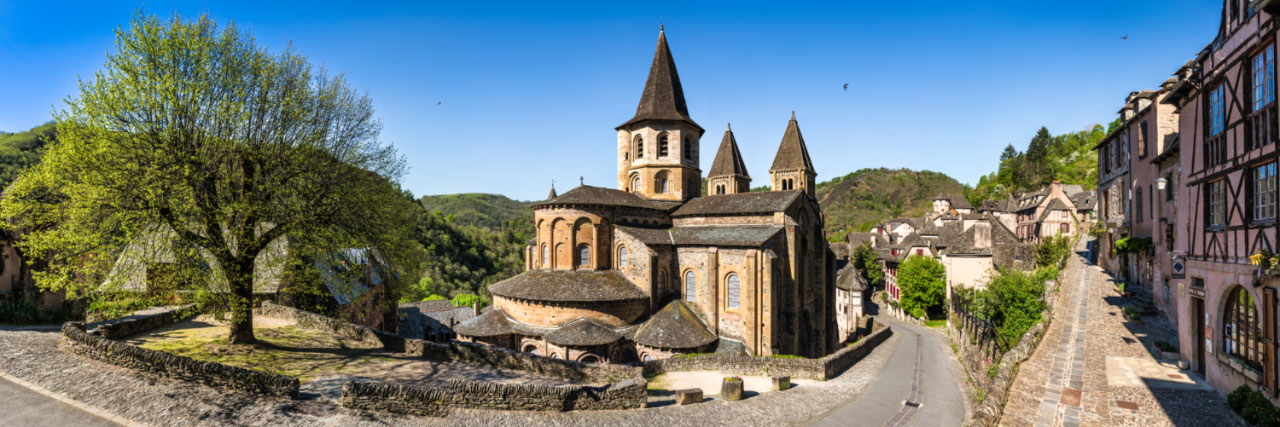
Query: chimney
[[1055, 187], [982, 235]]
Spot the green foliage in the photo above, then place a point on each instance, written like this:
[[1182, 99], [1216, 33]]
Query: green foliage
[[1068, 158], [195, 142], [468, 300], [922, 281], [733, 379], [993, 369], [690, 355], [491, 211], [786, 356], [1164, 346], [939, 323], [1131, 245], [867, 261], [858, 200], [466, 259], [1053, 251], [434, 297], [1120, 287], [115, 304], [1237, 397], [1253, 406], [21, 150], [20, 311], [1013, 301]]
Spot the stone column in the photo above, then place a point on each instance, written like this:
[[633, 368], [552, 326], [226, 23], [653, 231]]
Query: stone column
[[711, 300], [751, 289]]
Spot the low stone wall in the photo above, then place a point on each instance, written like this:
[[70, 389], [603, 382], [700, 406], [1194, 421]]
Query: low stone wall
[[76, 340], [510, 359], [143, 321], [819, 369], [997, 390], [340, 328], [437, 401]]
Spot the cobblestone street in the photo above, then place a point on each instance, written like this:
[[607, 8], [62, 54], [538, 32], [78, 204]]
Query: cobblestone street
[[1096, 368]]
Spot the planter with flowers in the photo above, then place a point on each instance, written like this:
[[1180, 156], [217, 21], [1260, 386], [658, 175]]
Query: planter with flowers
[[1266, 263], [731, 388]]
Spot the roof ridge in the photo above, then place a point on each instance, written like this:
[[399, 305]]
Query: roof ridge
[[792, 152]]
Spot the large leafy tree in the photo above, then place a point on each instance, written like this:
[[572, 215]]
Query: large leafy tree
[[195, 139], [922, 281], [867, 262]]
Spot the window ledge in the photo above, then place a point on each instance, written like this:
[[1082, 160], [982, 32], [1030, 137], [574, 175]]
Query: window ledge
[[1263, 222], [1216, 228]]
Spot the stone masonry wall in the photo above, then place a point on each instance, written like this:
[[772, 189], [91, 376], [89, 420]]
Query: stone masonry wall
[[137, 324], [819, 369], [77, 341], [438, 400], [505, 358]]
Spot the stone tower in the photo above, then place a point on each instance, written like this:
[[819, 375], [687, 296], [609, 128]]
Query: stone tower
[[658, 148], [792, 169], [728, 173]]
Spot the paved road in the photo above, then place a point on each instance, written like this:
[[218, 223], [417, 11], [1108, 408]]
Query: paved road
[[22, 407], [915, 388]]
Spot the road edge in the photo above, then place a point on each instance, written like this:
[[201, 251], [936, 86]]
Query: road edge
[[96, 411]]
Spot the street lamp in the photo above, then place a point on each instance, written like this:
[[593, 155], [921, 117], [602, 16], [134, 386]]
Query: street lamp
[[1161, 183]]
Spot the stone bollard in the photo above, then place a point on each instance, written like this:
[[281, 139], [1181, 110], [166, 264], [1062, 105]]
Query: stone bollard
[[731, 388], [688, 396], [781, 382]]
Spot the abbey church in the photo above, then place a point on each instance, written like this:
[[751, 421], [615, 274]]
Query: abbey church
[[654, 268]]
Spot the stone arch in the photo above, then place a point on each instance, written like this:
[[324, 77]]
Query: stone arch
[[1241, 325], [560, 235], [545, 261], [584, 235], [662, 182], [636, 183], [733, 291], [637, 145], [624, 260], [590, 357]]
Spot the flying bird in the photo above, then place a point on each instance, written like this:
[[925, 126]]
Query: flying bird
[[1126, 37], [846, 87], [439, 102]]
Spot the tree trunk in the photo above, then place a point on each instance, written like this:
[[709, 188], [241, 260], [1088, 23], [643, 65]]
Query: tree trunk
[[240, 280]]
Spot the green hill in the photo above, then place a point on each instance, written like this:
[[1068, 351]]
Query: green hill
[[859, 200], [478, 209], [22, 149]]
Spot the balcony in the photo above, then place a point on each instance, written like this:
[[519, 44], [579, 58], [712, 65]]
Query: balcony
[[1260, 127]]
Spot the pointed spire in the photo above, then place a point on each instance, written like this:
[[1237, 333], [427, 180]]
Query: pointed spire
[[728, 159], [792, 154], [552, 195], [663, 97]]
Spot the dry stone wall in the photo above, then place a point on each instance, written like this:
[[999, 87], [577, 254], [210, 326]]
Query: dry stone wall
[[137, 324], [439, 400], [509, 359], [819, 369], [76, 340]]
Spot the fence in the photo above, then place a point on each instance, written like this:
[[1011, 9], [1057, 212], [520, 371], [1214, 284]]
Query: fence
[[979, 331]]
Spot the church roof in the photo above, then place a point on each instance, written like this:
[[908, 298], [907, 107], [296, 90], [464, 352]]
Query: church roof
[[741, 203], [675, 327], [589, 195], [792, 154], [728, 159], [552, 194], [490, 324], [663, 98], [700, 235], [568, 285], [582, 332]]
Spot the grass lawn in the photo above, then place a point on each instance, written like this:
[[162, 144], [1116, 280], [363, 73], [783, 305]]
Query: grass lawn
[[281, 349], [941, 323]]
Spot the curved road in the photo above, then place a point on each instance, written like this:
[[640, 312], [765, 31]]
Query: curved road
[[917, 386], [22, 407]]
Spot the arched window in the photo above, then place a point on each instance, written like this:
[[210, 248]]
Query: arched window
[[531, 349], [690, 286], [688, 149], [662, 145], [735, 291], [590, 358], [660, 183], [1241, 334], [545, 259], [584, 255], [635, 183], [662, 282], [646, 357], [622, 257], [639, 143]]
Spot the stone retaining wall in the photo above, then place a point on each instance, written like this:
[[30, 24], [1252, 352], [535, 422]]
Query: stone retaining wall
[[76, 340], [438, 400], [340, 328], [510, 359], [139, 323], [997, 390], [819, 369]]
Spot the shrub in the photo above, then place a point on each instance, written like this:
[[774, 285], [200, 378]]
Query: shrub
[[19, 311], [1237, 397], [1255, 407], [923, 284], [434, 297], [467, 300], [1053, 251], [993, 369], [1013, 301]]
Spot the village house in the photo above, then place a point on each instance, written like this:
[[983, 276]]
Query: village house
[[1226, 200], [654, 268]]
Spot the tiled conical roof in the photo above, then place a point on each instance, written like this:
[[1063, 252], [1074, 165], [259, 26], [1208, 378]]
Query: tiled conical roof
[[728, 159], [792, 154], [663, 98]]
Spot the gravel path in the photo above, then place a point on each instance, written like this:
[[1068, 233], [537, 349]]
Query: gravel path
[[34, 356]]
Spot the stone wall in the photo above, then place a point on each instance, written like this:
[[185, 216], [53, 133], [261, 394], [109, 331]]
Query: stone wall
[[997, 390], [819, 369], [505, 358], [340, 328], [76, 340], [143, 321], [438, 400]]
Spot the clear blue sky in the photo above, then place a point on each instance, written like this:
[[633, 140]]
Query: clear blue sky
[[531, 93]]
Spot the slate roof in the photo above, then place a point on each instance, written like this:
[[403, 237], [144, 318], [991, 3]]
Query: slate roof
[[724, 235], [792, 154], [663, 98], [568, 285], [860, 238], [451, 316], [849, 279], [490, 324], [1084, 200], [552, 194], [741, 203], [648, 236], [997, 205], [964, 243], [728, 160], [582, 332], [433, 305], [600, 196], [676, 326], [957, 201], [1072, 189]]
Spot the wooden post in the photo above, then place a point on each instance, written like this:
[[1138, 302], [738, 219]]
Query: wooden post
[[1269, 340]]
